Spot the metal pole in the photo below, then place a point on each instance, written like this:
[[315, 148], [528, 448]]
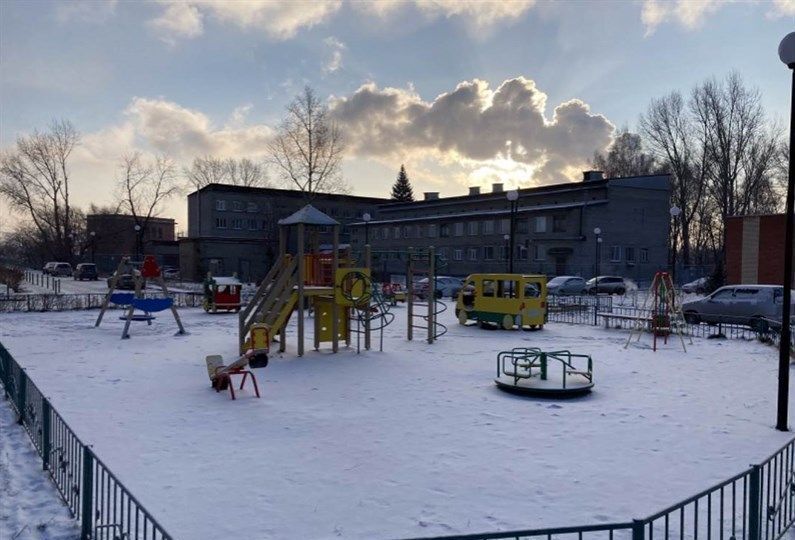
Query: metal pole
[[784, 345], [596, 284], [511, 225]]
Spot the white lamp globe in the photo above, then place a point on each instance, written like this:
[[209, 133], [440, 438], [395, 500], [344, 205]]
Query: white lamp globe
[[512, 195], [786, 50], [675, 211], [137, 228], [507, 237], [366, 216], [597, 231]]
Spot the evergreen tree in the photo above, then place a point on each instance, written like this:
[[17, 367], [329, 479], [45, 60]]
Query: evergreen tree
[[402, 191]]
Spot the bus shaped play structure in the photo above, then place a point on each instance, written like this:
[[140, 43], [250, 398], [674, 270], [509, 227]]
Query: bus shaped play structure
[[551, 374], [221, 294], [506, 300]]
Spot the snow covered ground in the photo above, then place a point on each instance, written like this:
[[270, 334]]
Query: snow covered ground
[[30, 508], [414, 441]]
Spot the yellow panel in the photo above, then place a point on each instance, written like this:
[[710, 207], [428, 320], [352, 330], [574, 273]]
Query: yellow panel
[[348, 284], [325, 307]]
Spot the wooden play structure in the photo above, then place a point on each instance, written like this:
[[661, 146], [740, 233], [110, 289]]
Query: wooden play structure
[[550, 374], [321, 277], [137, 300], [221, 294], [662, 313], [506, 300]]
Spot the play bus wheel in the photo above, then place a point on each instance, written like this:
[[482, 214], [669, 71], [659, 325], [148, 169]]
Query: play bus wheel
[[507, 322]]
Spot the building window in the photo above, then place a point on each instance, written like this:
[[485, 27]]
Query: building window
[[503, 253], [629, 254], [521, 253], [458, 229], [220, 205], [432, 231], [237, 223], [615, 253], [505, 226], [237, 206], [488, 252], [541, 224], [473, 254], [385, 233], [444, 230], [252, 224], [558, 223], [458, 254], [538, 253], [473, 228], [488, 227], [419, 231], [521, 226], [442, 253], [644, 255], [262, 225], [396, 232], [252, 208], [220, 223], [406, 231]]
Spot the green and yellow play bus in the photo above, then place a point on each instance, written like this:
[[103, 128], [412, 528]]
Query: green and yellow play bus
[[505, 300]]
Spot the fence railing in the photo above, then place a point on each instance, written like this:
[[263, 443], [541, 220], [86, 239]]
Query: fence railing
[[40, 279], [96, 498], [81, 301]]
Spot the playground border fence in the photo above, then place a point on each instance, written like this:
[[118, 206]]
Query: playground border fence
[[83, 301], [95, 497]]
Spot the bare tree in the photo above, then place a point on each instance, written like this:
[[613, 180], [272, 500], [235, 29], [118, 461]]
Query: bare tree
[[308, 147], [626, 157], [212, 170], [34, 179], [144, 187]]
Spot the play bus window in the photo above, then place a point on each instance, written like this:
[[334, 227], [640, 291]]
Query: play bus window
[[532, 290], [510, 289], [489, 287]]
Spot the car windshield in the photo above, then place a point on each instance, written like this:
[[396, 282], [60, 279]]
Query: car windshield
[[557, 281]]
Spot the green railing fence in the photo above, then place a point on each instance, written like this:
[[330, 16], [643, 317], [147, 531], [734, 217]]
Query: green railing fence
[[104, 507]]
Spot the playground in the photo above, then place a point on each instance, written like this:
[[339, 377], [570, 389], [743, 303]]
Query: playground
[[416, 440]]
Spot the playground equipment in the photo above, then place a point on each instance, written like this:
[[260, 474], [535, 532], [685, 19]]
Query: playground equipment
[[505, 300], [665, 313], [221, 293], [324, 275], [422, 304], [221, 375], [532, 372], [136, 300]]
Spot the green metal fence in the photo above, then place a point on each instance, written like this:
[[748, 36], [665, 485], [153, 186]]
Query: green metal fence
[[104, 507]]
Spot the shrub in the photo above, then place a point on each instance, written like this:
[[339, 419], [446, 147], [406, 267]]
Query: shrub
[[12, 277]]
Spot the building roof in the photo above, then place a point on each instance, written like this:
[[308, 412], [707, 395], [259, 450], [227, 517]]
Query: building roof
[[308, 215], [127, 217], [228, 188]]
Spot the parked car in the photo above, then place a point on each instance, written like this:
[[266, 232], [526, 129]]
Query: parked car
[[61, 269], [563, 285], [606, 284], [446, 286], [757, 306], [85, 271], [49, 267], [169, 272], [126, 282], [698, 286]]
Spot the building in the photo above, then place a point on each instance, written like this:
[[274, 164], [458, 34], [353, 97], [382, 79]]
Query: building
[[755, 249], [234, 229], [113, 236], [554, 229]]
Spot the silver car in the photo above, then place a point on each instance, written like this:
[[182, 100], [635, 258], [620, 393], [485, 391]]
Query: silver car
[[757, 306], [562, 285]]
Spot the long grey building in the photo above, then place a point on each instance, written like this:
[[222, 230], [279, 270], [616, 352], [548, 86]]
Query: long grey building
[[234, 229], [554, 229]]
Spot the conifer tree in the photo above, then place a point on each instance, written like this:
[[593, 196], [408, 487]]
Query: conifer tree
[[401, 190]]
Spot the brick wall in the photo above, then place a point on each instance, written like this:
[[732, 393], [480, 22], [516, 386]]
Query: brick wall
[[767, 233]]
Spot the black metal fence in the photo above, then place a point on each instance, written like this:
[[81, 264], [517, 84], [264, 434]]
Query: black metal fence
[[81, 301], [104, 507]]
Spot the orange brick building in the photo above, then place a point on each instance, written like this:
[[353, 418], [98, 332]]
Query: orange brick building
[[755, 249]]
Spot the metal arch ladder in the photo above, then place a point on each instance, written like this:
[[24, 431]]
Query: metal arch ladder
[[424, 262]]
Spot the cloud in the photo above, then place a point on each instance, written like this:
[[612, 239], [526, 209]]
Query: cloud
[[279, 19], [691, 14], [782, 8], [87, 11], [473, 124], [334, 60]]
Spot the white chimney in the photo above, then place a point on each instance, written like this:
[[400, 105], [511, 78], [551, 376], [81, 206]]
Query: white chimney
[[474, 190], [496, 187]]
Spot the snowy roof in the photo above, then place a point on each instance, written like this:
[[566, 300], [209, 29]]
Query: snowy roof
[[308, 215], [224, 280]]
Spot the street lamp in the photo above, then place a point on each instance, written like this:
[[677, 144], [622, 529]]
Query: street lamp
[[367, 217], [786, 51], [598, 235], [137, 241], [513, 201], [93, 246], [507, 238], [675, 211]]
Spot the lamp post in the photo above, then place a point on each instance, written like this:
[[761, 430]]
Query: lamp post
[[598, 248], [675, 211], [93, 246], [507, 238], [786, 51], [513, 201], [367, 217], [137, 241]]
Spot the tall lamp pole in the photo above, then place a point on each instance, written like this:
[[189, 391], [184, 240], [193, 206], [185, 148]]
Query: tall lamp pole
[[367, 217], [507, 238], [598, 235], [93, 247], [513, 201], [786, 51], [137, 242], [675, 211]]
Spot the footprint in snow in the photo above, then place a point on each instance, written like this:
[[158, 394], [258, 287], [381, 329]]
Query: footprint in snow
[[553, 406]]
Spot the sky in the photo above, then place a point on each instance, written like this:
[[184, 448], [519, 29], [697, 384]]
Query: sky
[[463, 93]]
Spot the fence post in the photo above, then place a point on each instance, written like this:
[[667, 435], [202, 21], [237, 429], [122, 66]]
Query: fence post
[[87, 493], [45, 433], [755, 503], [21, 391], [638, 529]]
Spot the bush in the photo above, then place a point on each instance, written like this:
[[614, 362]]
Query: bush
[[12, 277]]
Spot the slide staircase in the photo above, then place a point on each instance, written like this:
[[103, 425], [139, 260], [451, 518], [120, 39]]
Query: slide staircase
[[274, 301]]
